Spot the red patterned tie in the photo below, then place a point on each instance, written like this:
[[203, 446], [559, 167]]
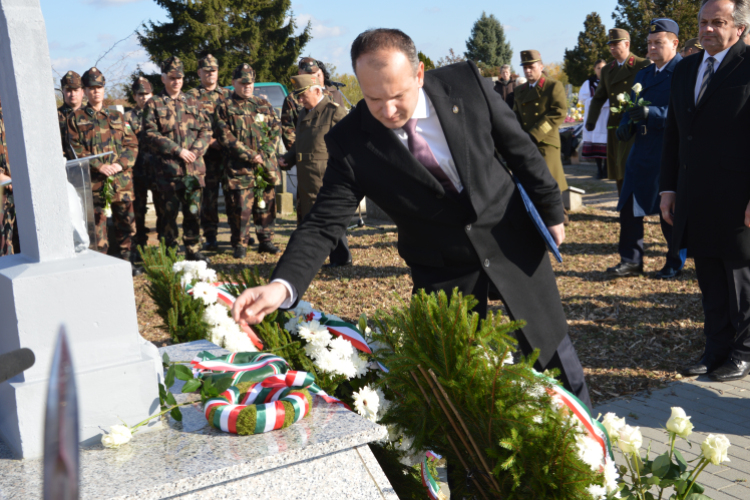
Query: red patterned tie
[[424, 155]]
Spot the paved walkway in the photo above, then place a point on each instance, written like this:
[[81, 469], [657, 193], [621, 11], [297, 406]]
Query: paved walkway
[[715, 408]]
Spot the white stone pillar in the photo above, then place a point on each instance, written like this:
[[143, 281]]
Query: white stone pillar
[[48, 285]]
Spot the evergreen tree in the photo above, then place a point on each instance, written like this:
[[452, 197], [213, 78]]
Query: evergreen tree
[[258, 32], [428, 64], [592, 46], [487, 43], [635, 16]]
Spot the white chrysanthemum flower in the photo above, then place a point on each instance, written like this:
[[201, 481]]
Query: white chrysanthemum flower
[[205, 292], [237, 341], [327, 362], [303, 308], [216, 314], [344, 367], [597, 492], [314, 333], [366, 402], [360, 364], [341, 347], [292, 324], [384, 403], [589, 451], [207, 276], [611, 476]]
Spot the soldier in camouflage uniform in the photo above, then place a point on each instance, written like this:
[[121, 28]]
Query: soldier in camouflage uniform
[[291, 109], [178, 134], [72, 91], [8, 226], [143, 170], [210, 94], [93, 130], [240, 129]]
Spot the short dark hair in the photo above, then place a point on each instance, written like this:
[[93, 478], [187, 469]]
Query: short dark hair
[[384, 38]]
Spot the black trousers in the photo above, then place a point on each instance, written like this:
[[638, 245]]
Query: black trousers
[[631, 239], [725, 290], [474, 281], [340, 254]]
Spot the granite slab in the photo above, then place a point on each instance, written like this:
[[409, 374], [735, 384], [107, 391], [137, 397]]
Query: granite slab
[[190, 455]]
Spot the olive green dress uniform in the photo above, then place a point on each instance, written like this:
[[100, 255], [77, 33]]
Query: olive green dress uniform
[[72, 80], [615, 79], [94, 132], [541, 110], [209, 100]]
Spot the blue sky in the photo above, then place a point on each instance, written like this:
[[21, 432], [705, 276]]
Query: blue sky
[[80, 31]]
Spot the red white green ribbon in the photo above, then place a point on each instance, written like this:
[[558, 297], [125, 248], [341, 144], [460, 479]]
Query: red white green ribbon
[[429, 482]]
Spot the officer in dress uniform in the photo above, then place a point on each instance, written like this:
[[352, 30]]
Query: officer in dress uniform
[[618, 77], [310, 154], [210, 94], [640, 190], [72, 91], [692, 46], [541, 106], [93, 130]]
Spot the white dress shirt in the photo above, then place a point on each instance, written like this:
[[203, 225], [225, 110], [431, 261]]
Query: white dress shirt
[[428, 127], [702, 68]]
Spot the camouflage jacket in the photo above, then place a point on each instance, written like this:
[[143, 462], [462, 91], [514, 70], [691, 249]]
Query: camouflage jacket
[[209, 100], [4, 166], [239, 130], [292, 108], [63, 113], [144, 164], [172, 125], [94, 132]]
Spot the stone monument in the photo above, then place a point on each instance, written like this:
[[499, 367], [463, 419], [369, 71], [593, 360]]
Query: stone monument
[[48, 284]]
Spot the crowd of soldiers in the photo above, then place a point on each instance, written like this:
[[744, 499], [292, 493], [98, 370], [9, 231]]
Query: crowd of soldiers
[[182, 147]]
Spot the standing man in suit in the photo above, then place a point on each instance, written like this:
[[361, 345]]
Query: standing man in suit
[[422, 146], [640, 191], [705, 182], [541, 106], [618, 77]]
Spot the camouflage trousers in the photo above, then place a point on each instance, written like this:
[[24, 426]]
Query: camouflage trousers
[[210, 202], [119, 242], [9, 243], [241, 205], [170, 201], [141, 187]]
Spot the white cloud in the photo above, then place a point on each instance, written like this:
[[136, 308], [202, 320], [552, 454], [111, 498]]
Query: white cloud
[[508, 27], [319, 29], [62, 65], [106, 3]]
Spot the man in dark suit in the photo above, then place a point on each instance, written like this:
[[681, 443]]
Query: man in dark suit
[[705, 181], [640, 191], [423, 147]]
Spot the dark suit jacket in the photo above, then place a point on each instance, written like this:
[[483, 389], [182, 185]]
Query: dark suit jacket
[[486, 228], [706, 157]]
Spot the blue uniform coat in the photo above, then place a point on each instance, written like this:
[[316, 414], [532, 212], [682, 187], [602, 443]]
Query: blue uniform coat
[[643, 168]]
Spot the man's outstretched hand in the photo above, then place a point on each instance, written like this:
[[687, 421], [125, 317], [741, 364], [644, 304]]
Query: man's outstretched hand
[[255, 303]]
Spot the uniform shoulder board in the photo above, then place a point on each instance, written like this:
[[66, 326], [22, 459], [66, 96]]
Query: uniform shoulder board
[[335, 104]]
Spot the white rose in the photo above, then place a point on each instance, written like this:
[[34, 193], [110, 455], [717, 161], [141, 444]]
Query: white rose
[[637, 88], [118, 436], [621, 97], [260, 118], [614, 425], [715, 448], [107, 212], [261, 204], [679, 423], [630, 439]]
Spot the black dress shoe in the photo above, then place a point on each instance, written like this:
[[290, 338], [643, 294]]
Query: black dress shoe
[[625, 269], [267, 247], [732, 369], [211, 245], [667, 273], [197, 256], [331, 265], [706, 364], [239, 252]]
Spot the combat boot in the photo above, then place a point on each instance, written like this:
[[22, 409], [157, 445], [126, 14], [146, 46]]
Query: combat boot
[[267, 247], [197, 256], [240, 252]]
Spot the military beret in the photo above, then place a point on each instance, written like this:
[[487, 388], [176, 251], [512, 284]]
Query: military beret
[[617, 35], [142, 86], [530, 57], [93, 78], [300, 83], [694, 44], [663, 25], [309, 65], [208, 62], [71, 80], [173, 65], [244, 72]]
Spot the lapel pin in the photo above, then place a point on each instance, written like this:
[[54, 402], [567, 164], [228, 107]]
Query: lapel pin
[[455, 109]]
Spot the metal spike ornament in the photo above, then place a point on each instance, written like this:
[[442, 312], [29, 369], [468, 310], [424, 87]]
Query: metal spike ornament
[[61, 456]]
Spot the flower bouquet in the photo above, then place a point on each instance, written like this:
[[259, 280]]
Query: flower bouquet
[[266, 149], [626, 104]]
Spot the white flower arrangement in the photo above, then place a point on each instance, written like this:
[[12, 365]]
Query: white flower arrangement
[[193, 271], [367, 403]]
